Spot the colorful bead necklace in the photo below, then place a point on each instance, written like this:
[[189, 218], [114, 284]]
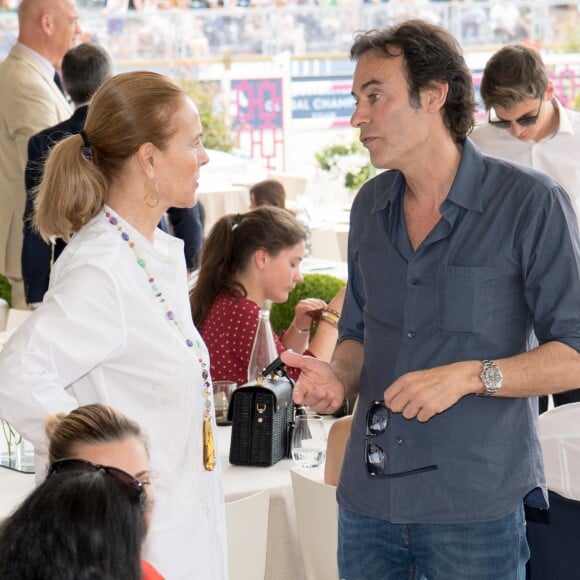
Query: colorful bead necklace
[[209, 456]]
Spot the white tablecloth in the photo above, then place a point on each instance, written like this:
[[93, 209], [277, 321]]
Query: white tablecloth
[[283, 560], [219, 199]]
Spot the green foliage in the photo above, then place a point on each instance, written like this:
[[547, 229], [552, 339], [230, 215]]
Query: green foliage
[[212, 111], [347, 162], [5, 289], [322, 286]]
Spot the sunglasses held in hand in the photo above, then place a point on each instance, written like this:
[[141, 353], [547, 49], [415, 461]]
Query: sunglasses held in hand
[[378, 419]]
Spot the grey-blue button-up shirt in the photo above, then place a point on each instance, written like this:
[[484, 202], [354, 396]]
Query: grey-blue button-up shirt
[[500, 268]]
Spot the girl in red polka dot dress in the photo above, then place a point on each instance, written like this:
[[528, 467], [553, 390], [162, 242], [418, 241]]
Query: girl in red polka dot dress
[[247, 259]]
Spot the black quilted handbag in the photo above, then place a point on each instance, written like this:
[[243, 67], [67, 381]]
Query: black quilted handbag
[[262, 416]]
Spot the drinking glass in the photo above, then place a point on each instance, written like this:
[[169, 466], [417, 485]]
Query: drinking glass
[[222, 395], [308, 441]]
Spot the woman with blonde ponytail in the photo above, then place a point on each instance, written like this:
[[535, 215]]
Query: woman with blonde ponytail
[[115, 326]]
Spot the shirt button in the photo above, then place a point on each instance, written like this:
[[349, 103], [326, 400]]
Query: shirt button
[[399, 439], [411, 334], [414, 281]]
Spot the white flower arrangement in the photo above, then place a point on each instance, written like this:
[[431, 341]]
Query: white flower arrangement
[[349, 163]]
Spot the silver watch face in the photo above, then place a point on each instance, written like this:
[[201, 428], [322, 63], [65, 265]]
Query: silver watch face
[[492, 377]]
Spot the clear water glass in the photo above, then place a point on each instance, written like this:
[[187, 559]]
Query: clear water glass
[[308, 441]]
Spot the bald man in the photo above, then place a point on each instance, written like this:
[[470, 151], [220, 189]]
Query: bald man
[[30, 101]]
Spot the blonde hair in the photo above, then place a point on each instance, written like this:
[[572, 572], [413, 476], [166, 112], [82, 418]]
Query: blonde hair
[[128, 110], [89, 424]]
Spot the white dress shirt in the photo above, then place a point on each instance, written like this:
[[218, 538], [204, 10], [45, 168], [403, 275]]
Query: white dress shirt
[[556, 155], [102, 336]]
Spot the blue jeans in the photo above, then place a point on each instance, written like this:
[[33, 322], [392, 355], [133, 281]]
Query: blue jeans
[[378, 550]]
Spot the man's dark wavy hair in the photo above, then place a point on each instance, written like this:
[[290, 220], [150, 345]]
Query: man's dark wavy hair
[[431, 55]]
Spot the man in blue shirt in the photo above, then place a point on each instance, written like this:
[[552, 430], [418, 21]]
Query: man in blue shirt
[[456, 260]]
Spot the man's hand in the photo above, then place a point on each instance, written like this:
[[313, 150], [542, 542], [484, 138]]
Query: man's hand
[[317, 387], [423, 394]]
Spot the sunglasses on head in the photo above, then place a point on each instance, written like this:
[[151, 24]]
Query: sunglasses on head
[[129, 482], [378, 418], [524, 121]]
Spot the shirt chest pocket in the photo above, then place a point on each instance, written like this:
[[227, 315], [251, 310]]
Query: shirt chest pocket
[[472, 300]]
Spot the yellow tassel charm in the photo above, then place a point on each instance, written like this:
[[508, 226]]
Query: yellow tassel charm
[[208, 445]]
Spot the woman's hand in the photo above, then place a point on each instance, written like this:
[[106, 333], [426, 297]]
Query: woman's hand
[[302, 319]]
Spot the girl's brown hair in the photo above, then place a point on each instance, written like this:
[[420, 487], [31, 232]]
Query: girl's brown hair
[[230, 246]]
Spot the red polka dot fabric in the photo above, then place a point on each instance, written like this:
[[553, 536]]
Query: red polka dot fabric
[[228, 332]]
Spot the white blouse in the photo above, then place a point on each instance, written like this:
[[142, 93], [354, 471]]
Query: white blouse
[[102, 336]]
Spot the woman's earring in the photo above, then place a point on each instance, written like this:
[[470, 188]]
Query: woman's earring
[[152, 199]]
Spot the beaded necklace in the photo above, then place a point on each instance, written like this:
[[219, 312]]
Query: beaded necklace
[[194, 346]]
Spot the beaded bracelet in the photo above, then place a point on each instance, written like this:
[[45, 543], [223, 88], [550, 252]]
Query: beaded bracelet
[[331, 311]]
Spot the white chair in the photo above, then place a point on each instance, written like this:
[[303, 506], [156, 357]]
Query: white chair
[[326, 244], [559, 432], [317, 519], [338, 436], [247, 530]]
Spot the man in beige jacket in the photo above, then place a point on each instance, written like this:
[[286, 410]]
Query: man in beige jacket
[[30, 101]]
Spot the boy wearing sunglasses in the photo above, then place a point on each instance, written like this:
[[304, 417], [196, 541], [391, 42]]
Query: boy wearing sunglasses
[[528, 124]]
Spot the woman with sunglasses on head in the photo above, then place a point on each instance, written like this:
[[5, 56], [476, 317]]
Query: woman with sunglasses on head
[[97, 434], [115, 325], [79, 524], [246, 260]]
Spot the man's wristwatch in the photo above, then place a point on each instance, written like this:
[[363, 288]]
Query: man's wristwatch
[[491, 377]]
